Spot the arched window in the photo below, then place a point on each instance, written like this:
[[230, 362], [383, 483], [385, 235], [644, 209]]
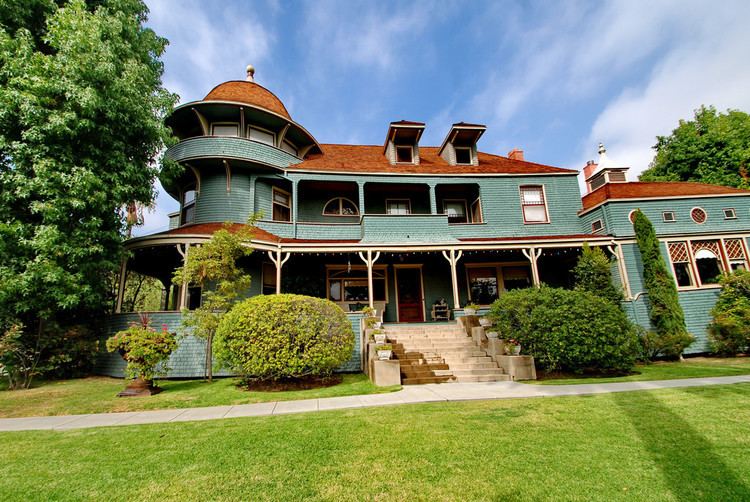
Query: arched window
[[340, 206], [709, 267]]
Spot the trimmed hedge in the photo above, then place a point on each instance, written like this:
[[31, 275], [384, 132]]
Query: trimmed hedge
[[567, 330], [730, 329], [272, 337]]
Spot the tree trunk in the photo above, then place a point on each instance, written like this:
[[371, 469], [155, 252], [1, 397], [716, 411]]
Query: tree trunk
[[209, 357]]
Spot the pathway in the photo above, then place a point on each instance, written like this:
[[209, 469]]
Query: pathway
[[408, 395]]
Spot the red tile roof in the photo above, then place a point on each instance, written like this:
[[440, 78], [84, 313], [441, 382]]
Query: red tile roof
[[241, 91], [211, 228], [581, 237], [656, 190], [370, 159]]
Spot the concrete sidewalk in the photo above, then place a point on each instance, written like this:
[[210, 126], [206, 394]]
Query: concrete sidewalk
[[408, 395]]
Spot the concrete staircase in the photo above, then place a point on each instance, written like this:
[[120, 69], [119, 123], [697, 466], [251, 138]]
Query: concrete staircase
[[440, 353]]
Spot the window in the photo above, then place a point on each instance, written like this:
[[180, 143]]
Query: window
[[463, 155], [483, 284], [516, 278], [729, 213], [456, 211], [350, 284], [288, 147], [678, 253], [340, 206], [224, 129], [736, 254], [398, 206], [261, 136], [708, 265], [404, 155], [668, 216], [597, 226], [269, 279], [282, 205], [631, 216], [187, 214], [698, 215], [534, 207], [476, 211]]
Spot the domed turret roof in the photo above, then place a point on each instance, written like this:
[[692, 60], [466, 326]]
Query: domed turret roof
[[250, 93]]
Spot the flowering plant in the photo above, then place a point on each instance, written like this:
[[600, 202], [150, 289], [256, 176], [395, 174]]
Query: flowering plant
[[512, 346], [144, 349]]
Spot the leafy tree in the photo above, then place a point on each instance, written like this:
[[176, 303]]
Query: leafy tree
[[213, 267], [729, 330], [593, 273], [711, 148], [81, 109], [664, 306]]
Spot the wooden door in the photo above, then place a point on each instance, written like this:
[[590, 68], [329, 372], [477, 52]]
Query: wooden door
[[409, 291]]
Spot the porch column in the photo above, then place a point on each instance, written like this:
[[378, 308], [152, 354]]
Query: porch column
[[294, 208], [183, 289], [433, 200], [121, 285], [453, 258], [532, 254], [279, 262], [616, 250], [370, 261], [361, 186]]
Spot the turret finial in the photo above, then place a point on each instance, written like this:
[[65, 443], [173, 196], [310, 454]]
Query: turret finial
[[250, 73], [601, 148]]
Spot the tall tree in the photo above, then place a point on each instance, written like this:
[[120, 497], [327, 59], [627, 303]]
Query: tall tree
[[664, 307], [213, 267], [711, 148], [81, 124], [593, 273]]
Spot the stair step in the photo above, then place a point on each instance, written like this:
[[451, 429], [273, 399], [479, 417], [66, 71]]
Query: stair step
[[482, 378], [472, 365], [423, 380], [477, 372]]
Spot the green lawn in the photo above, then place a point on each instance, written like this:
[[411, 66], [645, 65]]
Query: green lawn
[[666, 445], [99, 395], [694, 367]]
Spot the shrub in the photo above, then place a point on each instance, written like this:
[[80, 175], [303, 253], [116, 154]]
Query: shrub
[[593, 273], [144, 349], [664, 308], [729, 331], [567, 330], [272, 337]]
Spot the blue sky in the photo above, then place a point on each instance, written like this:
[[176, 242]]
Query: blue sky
[[551, 78]]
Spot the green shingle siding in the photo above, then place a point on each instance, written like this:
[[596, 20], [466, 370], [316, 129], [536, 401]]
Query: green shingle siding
[[230, 148], [216, 204]]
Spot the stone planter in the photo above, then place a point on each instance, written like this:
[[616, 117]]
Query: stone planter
[[513, 350], [484, 322], [384, 355], [518, 367], [139, 388], [493, 334], [470, 312], [379, 338]]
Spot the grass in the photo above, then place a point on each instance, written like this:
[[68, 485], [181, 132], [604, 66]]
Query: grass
[[694, 367], [98, 395], [665, 445]]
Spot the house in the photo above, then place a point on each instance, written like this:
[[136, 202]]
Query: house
[[416, 231]]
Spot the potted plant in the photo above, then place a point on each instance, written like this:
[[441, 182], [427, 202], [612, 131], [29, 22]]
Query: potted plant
[[512, 347], [485, 322], [379, 336], [146, 352], [471, 309], [369, 312], [385, 351], [492, 334]]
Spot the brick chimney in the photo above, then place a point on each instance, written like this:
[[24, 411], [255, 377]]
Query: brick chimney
[[515, 154], [589, 169]]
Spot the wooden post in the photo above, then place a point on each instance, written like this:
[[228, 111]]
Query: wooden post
[[453, 260], [533, 254], [616, 250], [279, 262], [121, 285], [184, 287], [370, 261]]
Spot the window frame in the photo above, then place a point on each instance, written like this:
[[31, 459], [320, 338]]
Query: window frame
[[274, 202], [356, 268], [408, 206], [498, 267], [664, 216], [340, 213], [464, 148], [261, 129], [544, 204], [291, 146], [601, 225], [403, 147], [467, 216], [734, 213], [185, 206], [704, 212], [725, 262], [235, 124], [478, 203]]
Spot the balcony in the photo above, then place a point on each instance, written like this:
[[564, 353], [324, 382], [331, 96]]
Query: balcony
[[227, 147], [406, 228]]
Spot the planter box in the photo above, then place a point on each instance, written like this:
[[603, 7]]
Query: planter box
[[477, 334], [386, 373], [518, 367]]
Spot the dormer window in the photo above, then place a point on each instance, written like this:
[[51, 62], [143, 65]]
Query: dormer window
[[261, 136], [228, 129], [463, 155], [404, 155]]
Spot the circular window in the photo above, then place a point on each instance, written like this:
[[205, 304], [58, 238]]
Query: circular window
[[631, 216], [698, 215]]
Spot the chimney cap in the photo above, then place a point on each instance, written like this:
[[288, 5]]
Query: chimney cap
[[250, 73]]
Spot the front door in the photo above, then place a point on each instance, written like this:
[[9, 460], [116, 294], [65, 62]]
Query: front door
[[409, 291]]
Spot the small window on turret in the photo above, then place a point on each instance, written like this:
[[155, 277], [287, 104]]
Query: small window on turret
[[463, 155], [224, 130], [261, 136], [288, 147]]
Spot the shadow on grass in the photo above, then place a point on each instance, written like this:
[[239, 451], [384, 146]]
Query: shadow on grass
[[687, 461]]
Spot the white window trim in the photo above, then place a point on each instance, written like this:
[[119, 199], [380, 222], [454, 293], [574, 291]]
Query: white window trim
[[478, 202], [466, 210], [664, 217], [704, 212], [630, 216], [408, 206], [601, 226], [734, 213], [273, 202], [236, 124], [411, 149], [262, 129], [471, 155], [724, 261], [546, 205], [339, 215], [363, 268]]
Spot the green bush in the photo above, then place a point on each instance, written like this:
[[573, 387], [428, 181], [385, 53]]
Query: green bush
[[567, 330], [144, 349], [593, 273], [272, 337], [729, 331]]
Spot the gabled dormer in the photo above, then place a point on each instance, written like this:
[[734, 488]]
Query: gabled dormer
[[402, 142], [460, 145], [603, 172]]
